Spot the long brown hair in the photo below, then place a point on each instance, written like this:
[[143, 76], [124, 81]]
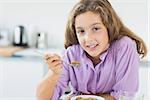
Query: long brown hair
[[116, 29]]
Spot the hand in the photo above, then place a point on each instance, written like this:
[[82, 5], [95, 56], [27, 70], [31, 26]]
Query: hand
[[54, 62], [106, 96]]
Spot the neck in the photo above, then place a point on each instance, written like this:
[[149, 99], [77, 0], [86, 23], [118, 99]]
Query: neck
[[95, 60]]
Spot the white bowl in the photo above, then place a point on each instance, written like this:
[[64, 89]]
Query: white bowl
[[88, 96]]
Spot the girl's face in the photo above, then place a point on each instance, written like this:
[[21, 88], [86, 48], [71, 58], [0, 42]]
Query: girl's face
[[91, 33]]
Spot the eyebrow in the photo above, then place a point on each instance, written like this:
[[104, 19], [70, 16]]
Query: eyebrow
[[90, 25]]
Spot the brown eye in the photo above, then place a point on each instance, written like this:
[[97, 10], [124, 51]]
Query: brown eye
[[80, 32], [95, 29]]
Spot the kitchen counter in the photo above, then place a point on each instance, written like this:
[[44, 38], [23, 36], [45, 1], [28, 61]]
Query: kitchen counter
[[32, 63], [19, 98], [145, 63], [30, 52]]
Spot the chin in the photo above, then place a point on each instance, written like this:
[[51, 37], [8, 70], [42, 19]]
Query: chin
[[94, 54]]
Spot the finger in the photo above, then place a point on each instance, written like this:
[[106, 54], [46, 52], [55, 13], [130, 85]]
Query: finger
[[53, 58], [57, 56], [57, 69], [57, 66], [47, 56], [55, 63]]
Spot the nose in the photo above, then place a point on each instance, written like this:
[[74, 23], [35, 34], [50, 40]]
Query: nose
[[88, 36]]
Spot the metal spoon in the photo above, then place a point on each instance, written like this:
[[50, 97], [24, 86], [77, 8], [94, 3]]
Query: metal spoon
[[73, 63]]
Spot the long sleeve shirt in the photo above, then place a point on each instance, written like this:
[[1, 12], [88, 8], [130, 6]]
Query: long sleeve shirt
[[115, 74]]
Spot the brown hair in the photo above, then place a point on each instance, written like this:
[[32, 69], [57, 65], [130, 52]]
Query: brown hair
[[116, 29]]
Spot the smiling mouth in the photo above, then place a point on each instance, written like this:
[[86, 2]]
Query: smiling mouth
[[92, 46]]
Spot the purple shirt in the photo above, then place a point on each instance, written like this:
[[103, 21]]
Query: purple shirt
[[117, 72]]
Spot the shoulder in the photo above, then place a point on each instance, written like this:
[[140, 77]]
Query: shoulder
[[125, 53], [124, 43]]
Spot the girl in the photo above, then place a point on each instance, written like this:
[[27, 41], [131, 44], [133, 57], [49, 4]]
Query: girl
[[107, 50]]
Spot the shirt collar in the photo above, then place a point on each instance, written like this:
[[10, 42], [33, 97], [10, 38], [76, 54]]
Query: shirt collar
[[103, 55]]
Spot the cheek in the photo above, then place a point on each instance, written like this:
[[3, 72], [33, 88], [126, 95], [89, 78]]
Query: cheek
[[81, 40], [104, 37], [105, 41]]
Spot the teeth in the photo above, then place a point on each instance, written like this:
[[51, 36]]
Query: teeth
[[92, 46]]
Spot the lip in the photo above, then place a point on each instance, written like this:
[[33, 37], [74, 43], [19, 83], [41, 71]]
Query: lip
[[93, 48]]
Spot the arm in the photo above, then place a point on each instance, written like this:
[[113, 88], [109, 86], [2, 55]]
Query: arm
[[46, 87], [106, 96], [55, 82], [126, 70]]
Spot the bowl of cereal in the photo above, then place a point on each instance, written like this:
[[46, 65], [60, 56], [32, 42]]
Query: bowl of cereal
[[87, 97]]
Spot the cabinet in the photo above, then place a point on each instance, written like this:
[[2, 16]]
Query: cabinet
[[144, 80], [19, 76]]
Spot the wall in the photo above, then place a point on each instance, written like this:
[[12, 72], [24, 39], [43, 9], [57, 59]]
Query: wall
[[50, 16], [46, 16], [134, 13]]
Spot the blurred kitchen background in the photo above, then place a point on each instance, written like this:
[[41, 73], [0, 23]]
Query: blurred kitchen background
[[29, 25]]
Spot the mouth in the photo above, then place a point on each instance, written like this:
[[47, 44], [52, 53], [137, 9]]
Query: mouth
[[93, 46]]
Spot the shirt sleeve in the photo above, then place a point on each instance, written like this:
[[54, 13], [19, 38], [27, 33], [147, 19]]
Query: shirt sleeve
[[127, 65], [63, 81]]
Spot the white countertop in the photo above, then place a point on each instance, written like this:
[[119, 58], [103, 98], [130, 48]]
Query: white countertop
[[30, 52], [18, 98]]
